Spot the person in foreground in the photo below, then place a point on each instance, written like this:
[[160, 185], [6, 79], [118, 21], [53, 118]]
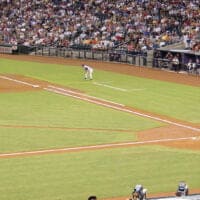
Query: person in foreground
[[92, 198], [182, 189], [88, 72], [139, 193]]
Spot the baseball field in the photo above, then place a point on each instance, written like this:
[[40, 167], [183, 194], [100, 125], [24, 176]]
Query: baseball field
[[66, 138]]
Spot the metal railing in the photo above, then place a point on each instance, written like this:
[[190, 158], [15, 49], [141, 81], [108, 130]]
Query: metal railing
[[103, 55]]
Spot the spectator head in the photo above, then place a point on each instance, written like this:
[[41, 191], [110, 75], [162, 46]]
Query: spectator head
[[92, 198]]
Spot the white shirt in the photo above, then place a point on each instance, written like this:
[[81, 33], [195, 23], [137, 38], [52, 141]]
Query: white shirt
[[87, 68]]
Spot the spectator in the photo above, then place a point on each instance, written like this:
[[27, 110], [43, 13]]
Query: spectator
[[92, 198], [175, 63], [187, 40], [168, 60], [100, 24], [169, 56], [190, 65]]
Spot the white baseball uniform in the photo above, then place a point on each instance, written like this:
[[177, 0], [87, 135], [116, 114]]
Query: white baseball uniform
[[88, 72]]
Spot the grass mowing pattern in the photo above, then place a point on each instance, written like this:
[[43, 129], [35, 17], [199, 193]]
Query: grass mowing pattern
[[47, 109], [106, 173], [14, 140], [50, 110]]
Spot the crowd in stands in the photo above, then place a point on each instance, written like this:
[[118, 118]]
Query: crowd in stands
[[101, 24]]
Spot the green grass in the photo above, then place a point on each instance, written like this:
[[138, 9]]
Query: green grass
[[29, 139], [108, 172], [44, 109], [47, 109], [105, 173], [170, 99]]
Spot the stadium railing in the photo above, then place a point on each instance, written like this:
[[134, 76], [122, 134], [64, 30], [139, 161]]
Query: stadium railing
[[112, 55]]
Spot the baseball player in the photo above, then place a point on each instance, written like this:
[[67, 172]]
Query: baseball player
[[88, 71]]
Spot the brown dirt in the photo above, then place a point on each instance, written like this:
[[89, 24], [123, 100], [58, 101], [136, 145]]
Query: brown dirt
[[166, 132], [172, 131], [7, 86]]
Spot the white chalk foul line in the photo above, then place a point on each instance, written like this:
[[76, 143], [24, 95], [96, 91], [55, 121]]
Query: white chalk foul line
[[92, 147], [137, 89], [109, 86], [77, 97], [73, 92], [123, 109], [117, 88], [56, 90], [17, 81]]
